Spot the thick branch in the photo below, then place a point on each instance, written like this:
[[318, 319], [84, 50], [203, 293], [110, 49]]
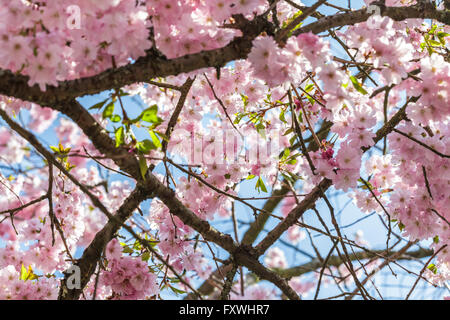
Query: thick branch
[[151, 66], [420, 11], [144, 69], [336, 261], [277, 196], [184, 90], [92, 254], [293, 216], [320, 189]]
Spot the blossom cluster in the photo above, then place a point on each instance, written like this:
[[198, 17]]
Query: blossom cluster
[[128, 277]]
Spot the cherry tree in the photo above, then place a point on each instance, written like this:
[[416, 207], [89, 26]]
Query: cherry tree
[[195, 103]]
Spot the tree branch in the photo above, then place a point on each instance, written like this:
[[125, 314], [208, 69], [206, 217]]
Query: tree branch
[[152, 66], [320, 189], [336, 261]]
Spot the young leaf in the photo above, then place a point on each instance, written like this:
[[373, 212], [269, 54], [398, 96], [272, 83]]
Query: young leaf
[[145, 256], [285, 154], [260, 185], [162, 135], [127, 249], [54, 149], [145, 146], [23, 273], [155, 139], [109, 110], [432, 268], [288, 131], [261, 130], [143, 165], [309, 87], [150, 114], [357, 85], [99, 105], [177, 291], [281, 117], [119, 137], [116, 118], [27, 274]]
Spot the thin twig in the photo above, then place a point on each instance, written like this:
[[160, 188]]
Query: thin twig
[[422, 271], [421, 143]]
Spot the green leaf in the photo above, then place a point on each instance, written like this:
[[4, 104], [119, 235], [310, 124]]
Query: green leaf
[[427, 43], [155, 139], [54, 149], [60, 149], [244, 99], [309, 87], [27, 274], [433, 29], [145, 146], [288, 131], [99, 105], [120, 137], [281, 117], [150, 115], [127, 249], [116, 118], [292, 140], [436, 239], [288, 178], [434, 43], [287, 22], [109, 110], [145, 256], [357, 85], [260, 185], [443, 34], [261, 130], [177, 291], [143, 165], [292, 161], [364, 186], [137, 245], [162, 135], [300, 115], [23, 273], [432, 268], [238, 117]]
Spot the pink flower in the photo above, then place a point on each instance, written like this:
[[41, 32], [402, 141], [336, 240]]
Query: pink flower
[[130, 278], [275, 258], [346, 178], [348, 157], [113, 250], [296, 234]]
